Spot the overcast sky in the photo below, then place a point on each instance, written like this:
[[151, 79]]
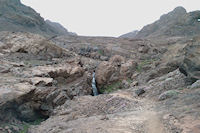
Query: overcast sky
[[106, 17]]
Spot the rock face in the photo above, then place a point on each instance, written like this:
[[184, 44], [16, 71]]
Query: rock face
[[175, 23], [170, 81], [115, 69], [191, 63], [36, 76], [31, 44], [14, 16], [50, 80]]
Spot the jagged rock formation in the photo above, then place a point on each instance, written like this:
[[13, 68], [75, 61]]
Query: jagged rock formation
[[34, 80], [130, 34], [14, 16]]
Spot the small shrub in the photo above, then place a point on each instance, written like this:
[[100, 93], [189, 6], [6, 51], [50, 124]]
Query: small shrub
[[180, 88], [129, 80], [27, 125], [101, 52], [144, 63], [111, 87]]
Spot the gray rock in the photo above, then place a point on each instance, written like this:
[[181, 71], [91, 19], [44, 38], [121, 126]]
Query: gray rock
[[61, 99], [139, 92], [26, 112], [190, 65], [167, 94], [195, 85]]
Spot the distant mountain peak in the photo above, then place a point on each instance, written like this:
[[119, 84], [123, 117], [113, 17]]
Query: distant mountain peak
[[175, 23], [180, 9]]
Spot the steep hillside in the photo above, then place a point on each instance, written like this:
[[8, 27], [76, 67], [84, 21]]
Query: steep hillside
[[130, 34], [176, 23], [147, 85], [59, 28], [14, 16]]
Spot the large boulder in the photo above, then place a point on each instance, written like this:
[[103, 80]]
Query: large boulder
[[117, 60], [105, 73], [191, 63], [117, 68], [171, 81]]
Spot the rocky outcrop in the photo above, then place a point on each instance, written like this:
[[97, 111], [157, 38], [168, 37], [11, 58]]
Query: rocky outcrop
[[115, 69], [162, 85], [31, 44], [191, 63], [15, 16]]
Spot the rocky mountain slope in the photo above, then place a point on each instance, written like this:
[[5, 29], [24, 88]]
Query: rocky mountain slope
[[146, 85], [59, 28], [14, 16], [44, 81], [178, 22], [130, 34]]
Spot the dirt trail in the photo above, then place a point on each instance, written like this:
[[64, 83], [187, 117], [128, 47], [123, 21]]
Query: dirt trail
[[154, 124], [150, 119]]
